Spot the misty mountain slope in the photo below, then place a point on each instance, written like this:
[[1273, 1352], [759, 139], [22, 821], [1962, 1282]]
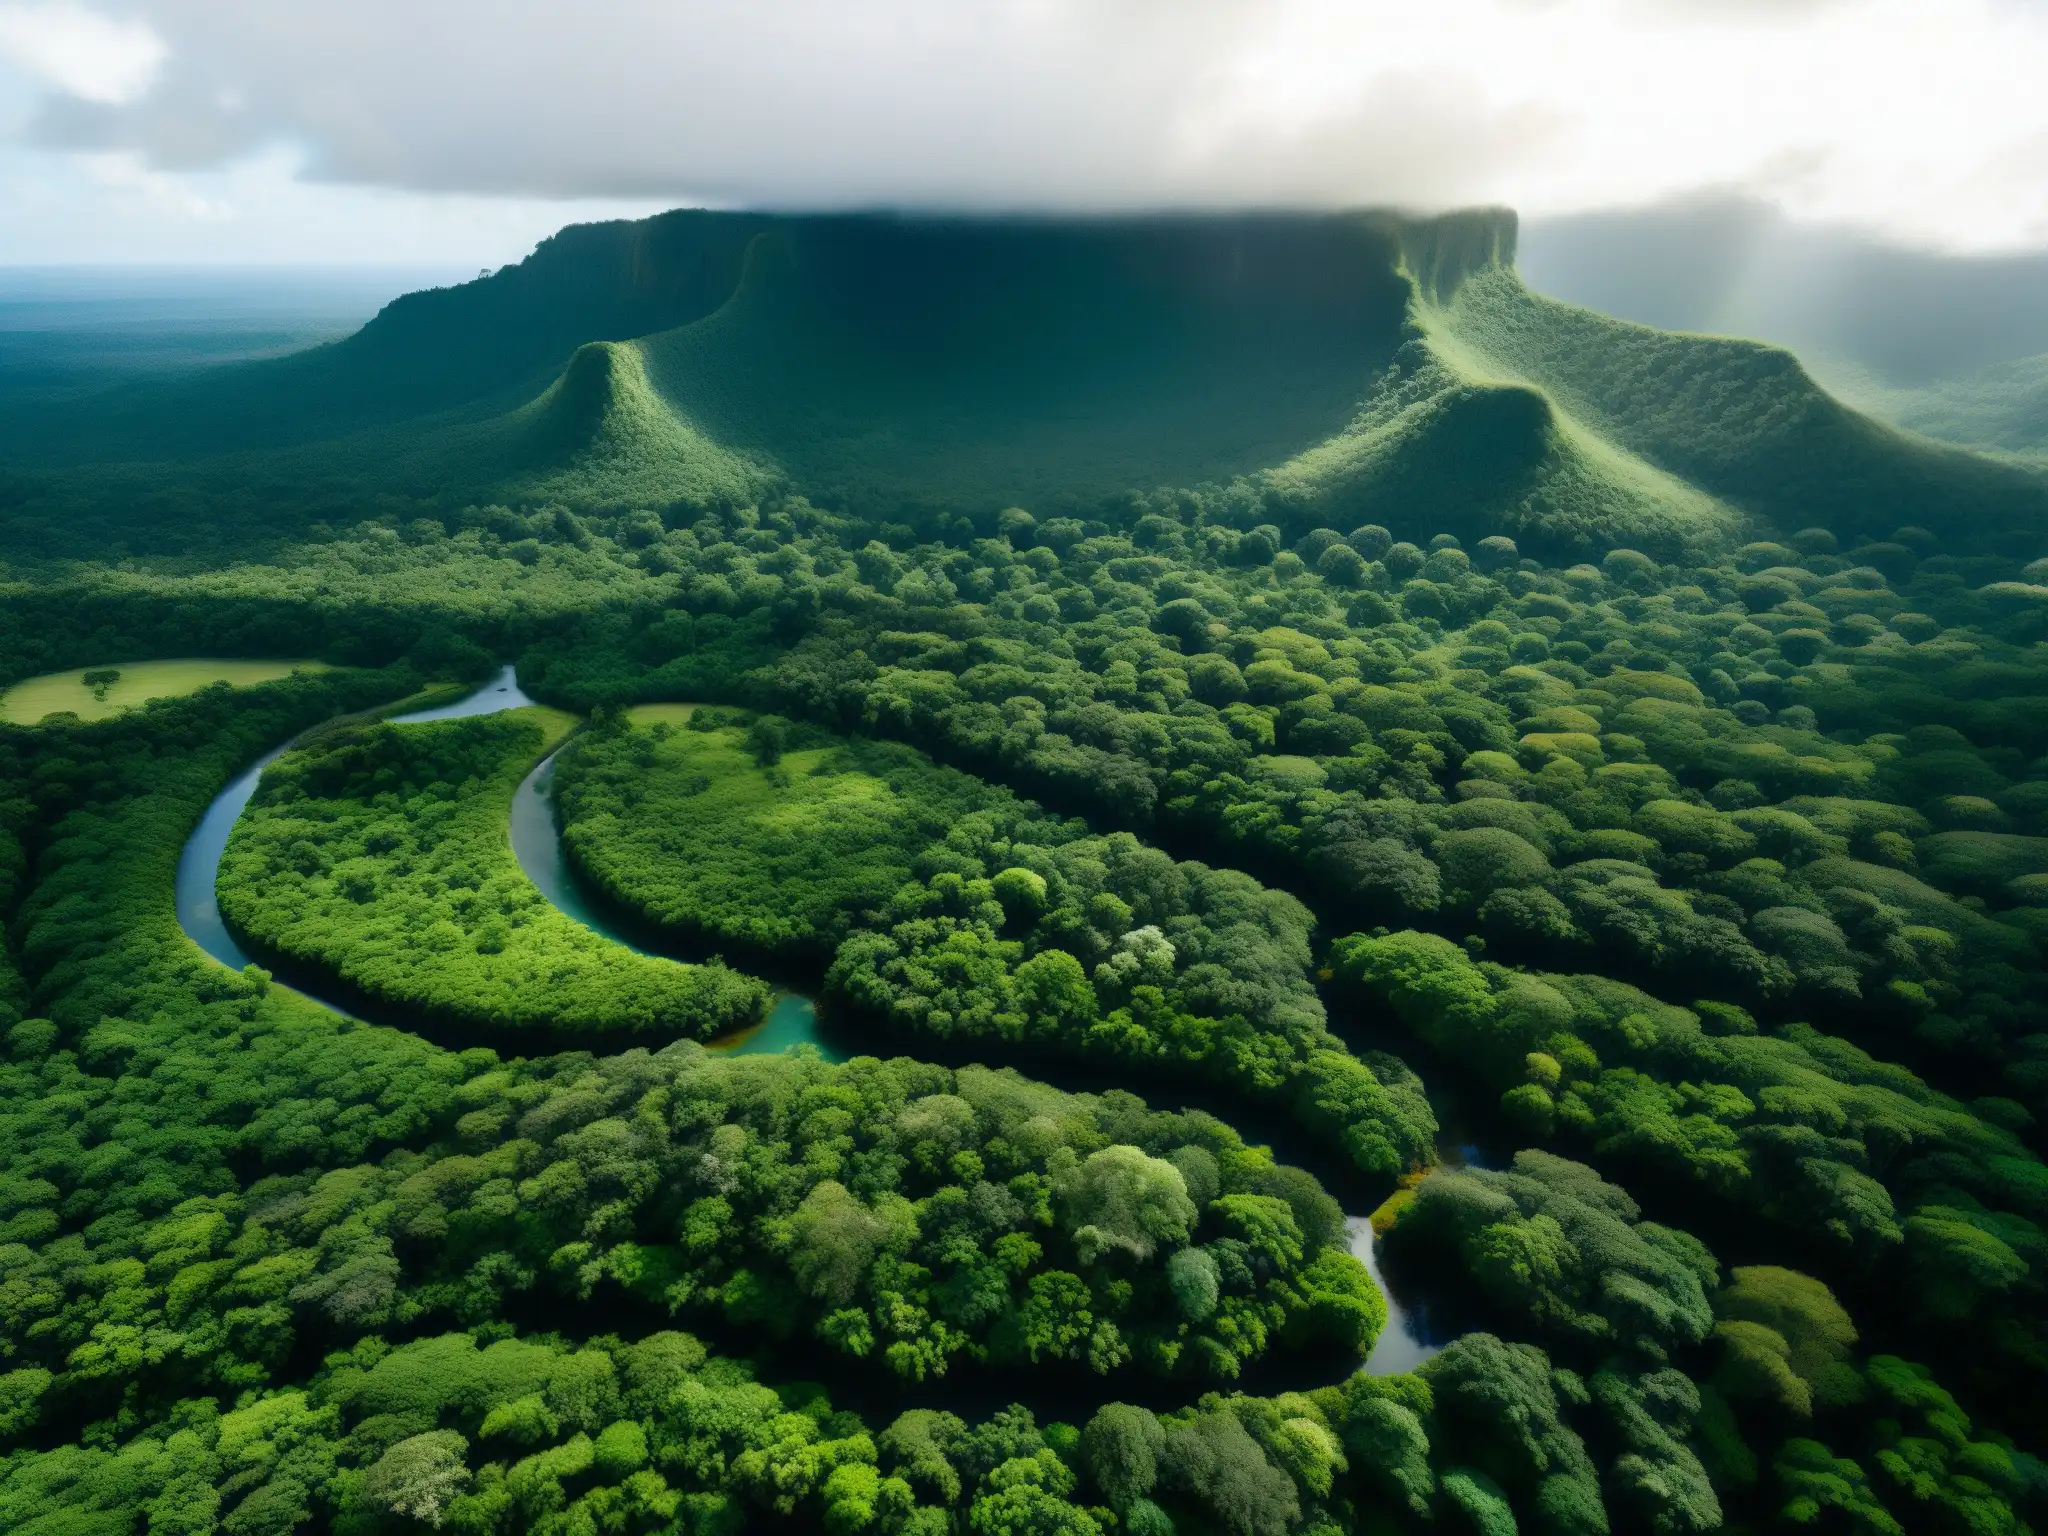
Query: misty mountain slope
[[2002, 408], [1313, 370], [1442, 446], [1739, 420], [596, 435], [881, 362], [463, 352]]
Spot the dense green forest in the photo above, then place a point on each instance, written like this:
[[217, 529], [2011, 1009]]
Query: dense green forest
[[1615, 860]]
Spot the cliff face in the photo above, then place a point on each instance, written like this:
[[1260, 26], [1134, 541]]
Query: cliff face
[[918, 290], [618, 280], [1026, 362], [1439, 254]]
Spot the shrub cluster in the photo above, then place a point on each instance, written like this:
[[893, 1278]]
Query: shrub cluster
[[1035, 936], [1800, 1128]]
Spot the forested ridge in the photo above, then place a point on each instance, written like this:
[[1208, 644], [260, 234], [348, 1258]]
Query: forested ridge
[[1704, 887]]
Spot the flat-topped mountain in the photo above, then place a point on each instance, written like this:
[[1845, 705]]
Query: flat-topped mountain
[[1335, 368]]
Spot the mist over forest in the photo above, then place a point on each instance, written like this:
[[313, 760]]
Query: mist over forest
[[1944, 344]]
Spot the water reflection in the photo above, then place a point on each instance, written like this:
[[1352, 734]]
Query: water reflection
[[1405, 1342], [199, 863], [500, 693], [1412, 1333], [792, 1021]]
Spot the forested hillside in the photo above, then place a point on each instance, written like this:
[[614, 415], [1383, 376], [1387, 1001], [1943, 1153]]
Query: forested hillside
[[1575, 796]]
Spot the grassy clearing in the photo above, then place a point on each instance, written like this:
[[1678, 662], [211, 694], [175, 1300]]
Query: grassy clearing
[[662, 714], [134, 682], [706, 831]]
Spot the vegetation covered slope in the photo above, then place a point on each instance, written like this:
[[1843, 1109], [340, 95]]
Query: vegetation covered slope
[[600, 433], [1441, 445], [2000, 408], [1740, 420], [1002, 364], [478, 346], [1315, 371]]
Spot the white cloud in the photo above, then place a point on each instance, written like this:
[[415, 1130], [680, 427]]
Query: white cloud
[[93, 57], [1919, 119], [110, 207]]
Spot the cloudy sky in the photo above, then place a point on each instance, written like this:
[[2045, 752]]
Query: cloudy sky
[[463, 130]]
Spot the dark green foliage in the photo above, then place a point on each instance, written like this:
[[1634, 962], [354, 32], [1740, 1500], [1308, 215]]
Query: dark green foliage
[[1801, 1128], [1122, 1445], [898, 1212], [1117, 357], [1813, 1481], [1135, 958], [1796, 785], [1498, 1404], [1562, 1253], [1213, 1463]]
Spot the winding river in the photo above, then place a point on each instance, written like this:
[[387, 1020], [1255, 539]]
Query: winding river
[[792, 1020], [1406, 1341]]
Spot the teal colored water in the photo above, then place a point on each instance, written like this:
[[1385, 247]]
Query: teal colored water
[[792, 1021], [538, 847]]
